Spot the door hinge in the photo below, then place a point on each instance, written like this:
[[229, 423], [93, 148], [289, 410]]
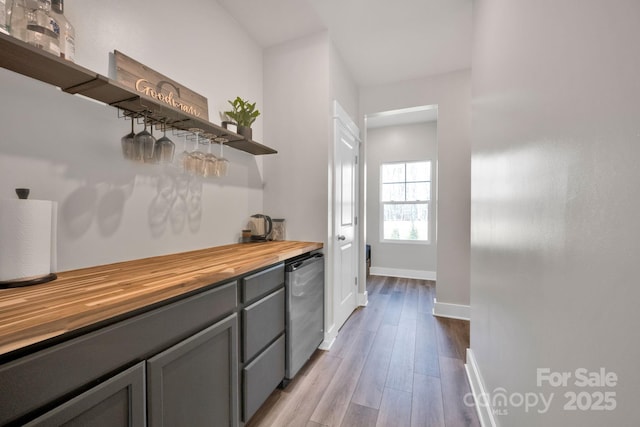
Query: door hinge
[[355, 220], [356, 281], [356, 160]]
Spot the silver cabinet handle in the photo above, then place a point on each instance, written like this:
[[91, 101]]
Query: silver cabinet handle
[[341, 237]]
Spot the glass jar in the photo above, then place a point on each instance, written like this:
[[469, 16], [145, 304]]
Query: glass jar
[[4, 12], [279, 229], [42, 30], [67, 33]]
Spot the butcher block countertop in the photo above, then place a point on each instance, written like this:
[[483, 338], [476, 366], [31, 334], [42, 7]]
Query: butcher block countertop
[[81, 298]]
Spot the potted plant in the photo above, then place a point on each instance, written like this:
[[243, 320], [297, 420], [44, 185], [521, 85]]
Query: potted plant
[[243, 114]]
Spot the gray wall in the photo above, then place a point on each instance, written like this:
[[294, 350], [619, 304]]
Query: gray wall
[[555, 235], [393, 144], [452, 93]]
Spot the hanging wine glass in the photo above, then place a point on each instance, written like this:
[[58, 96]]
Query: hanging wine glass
[[164, 148], [222, 165], [127, 143], [210, 163], [180, 158], [144, 144], [196, 157]]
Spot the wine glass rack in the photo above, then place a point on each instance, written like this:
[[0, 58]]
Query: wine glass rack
[[22, 58]]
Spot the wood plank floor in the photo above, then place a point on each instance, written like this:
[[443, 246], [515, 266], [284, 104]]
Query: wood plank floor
[[393, 364]]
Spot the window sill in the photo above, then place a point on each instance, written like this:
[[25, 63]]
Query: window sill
[[406, 242]]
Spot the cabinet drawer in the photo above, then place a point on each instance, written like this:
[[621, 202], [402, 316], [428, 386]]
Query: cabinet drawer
[[262, 283], [62, 369], [262, 321], [261, 377]]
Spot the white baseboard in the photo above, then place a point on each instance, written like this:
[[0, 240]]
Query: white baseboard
[[329, 338], [405, 274], [452, 311], [478, 389], [363, 299]]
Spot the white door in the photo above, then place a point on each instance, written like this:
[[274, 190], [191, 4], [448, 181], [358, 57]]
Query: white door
[[345, 243]]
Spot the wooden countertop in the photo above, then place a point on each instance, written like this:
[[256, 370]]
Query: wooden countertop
[[81, 298]]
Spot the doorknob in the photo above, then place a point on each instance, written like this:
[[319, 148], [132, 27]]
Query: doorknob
[[341, 237]]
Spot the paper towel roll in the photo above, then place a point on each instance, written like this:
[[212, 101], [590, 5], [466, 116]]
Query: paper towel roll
[[27, 239]]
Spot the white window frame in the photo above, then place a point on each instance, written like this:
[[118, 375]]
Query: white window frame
[[413, 202]]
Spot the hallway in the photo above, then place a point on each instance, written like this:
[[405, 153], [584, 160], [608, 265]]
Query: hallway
[[393, 364]]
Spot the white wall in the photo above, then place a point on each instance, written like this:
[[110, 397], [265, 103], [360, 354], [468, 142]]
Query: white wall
[[296, 119], [67, 149], [297, 88], [452, 93], [555, 236], [343, 87], [409, 142], [301, 77]]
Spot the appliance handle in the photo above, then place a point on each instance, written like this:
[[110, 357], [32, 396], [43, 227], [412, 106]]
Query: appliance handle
[[313, 258], [269, 226]]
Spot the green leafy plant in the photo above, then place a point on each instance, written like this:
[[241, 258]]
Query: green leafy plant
[[243, 113]]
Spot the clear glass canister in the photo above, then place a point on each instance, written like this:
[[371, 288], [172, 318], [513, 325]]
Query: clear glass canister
[[42, 30], [4, 13], [67, 31], [279, 229]]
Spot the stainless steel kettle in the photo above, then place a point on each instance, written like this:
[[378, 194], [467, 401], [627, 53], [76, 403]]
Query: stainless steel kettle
[[261, 227]]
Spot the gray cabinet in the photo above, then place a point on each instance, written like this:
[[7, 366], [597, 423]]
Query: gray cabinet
[[262, 376], [194, 383], [262, 322], [263, 340], [61, 374], [202, 360], [117, 402], [261, 283]]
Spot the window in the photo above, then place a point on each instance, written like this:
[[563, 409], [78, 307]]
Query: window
[[405, 195]]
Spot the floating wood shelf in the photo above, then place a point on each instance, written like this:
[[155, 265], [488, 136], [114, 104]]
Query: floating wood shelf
[[22, 58]]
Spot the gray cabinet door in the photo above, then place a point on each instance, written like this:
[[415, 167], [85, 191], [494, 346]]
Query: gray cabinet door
[[117, 402], [195, 382]]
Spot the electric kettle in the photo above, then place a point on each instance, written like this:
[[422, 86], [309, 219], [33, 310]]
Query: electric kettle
[[261, 226]]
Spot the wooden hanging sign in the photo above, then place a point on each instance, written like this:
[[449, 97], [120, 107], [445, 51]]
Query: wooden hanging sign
[[152, 84]]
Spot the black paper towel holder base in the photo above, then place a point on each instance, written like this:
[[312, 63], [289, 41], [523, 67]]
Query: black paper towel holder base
[[28, 282]]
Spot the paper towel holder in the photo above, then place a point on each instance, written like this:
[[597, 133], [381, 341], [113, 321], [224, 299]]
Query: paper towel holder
[[28, 282], [23, 194]]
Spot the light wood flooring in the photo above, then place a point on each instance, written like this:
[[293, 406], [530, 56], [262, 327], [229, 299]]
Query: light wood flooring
[[393, 364]]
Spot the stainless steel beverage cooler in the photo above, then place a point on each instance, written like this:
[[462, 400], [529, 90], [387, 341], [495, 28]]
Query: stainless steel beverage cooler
[[304, 283]]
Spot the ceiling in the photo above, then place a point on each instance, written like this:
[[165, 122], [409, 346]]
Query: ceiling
[[380, 41]]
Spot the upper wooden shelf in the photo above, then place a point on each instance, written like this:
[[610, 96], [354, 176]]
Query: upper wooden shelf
[[22, 58]]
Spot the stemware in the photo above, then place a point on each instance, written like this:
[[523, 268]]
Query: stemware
[[222, 164], [195, 160], [144, 144], [210, 165], [127, 143], [180, 158], [164, 149]]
